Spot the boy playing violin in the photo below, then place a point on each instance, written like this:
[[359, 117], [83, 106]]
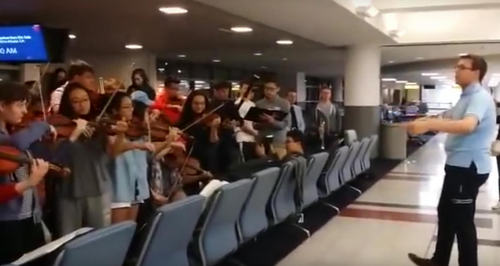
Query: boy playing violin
[[21, 229]]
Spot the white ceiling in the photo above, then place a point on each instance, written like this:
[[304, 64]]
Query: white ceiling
[[320, 30]]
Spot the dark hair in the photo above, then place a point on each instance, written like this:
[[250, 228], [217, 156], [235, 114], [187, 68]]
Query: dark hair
[[187, 114], [65, 107], [246, 82], [296, 135], [140, 110], [477, 63], [30, 83], [145, 87], [142, 74], [79, 68], [11, 91], [53, 82], [171, 80], [116, 102], [222, 85]]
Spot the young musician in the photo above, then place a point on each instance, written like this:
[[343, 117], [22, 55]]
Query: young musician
[[84, 197], [205, 132], [20, 214], [246, 134], [129, 169], [165, 100]]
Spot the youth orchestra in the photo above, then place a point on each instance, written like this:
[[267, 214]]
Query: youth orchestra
[[90, 152]]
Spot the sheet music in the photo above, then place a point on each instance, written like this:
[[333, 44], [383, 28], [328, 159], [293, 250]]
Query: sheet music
[[50, 247]]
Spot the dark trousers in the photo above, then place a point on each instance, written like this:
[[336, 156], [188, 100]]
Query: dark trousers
[[19, 237], [456, 210], [498, 168], [248, 151]]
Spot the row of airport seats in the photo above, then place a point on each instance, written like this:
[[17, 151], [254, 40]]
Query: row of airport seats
[[205, 231]]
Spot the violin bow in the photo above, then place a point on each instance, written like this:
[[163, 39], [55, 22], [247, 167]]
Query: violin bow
[[39, 85], [171, 192], [203, 117]]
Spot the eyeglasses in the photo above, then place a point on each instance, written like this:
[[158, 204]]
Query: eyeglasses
[[462, 67]]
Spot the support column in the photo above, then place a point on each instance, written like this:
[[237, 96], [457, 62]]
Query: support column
[[338, 90], [301, 87], [362, 90], [293, 81], [30, 72]]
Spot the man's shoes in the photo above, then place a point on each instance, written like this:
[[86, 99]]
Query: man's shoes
[[420, 261]]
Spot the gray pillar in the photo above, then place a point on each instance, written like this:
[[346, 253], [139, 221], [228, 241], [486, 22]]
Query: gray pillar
[[362, 90]]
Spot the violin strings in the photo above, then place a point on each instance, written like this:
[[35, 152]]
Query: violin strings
[[201, 118]]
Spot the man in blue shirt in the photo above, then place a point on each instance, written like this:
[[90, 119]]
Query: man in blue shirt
[[470, 125]]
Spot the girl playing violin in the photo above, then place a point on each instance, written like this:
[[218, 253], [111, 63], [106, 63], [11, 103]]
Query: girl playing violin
[[204, 133], [129, 169], [20, 214], [84, 197]]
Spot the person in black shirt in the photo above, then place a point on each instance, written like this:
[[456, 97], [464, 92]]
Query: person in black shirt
[[205, 133], [227, 148]]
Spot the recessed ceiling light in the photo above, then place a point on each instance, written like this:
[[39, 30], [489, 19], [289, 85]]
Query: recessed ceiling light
[[173, 10], [166, 63], [389, 79], [263, 67], [419, 58], [179, 71], [161, 69], [439, 77], [401, 81], [216, 61], [72, 36], [181, 56], [241, 29], [284, 42], [429, 74], [390, 62], [258, 54], [285, 59], [463, 54], [133, 46]]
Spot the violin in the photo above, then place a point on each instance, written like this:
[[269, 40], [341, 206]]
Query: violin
[[11, 159], [209, 119], [65, 126]]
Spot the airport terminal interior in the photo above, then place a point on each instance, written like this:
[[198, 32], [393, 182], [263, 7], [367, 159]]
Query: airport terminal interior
[[317, 170]]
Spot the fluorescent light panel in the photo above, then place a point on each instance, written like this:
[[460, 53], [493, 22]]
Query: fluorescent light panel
[[241, 29], [429, 74], [389, 79], [72, 36], [401, 81], [173, 10], [133, 46], [439, 77], [284, 42]]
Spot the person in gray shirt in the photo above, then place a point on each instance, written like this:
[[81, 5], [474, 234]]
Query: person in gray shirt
[[270, 126]]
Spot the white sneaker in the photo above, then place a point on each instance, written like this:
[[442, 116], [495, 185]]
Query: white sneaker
[[496, 207]]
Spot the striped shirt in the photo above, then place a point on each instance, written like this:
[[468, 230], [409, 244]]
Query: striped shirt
[[55, 97], [28, 206]]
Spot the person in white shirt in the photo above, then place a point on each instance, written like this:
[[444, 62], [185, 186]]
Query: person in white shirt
[[245, 135], [79, 72], [295, 113]]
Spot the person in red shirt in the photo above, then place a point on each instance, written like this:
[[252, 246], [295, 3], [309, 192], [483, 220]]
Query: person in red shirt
[[165, 100]]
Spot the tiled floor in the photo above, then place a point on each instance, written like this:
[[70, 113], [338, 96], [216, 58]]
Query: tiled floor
[[396, 216]]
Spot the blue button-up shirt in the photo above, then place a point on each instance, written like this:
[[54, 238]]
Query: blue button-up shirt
[[463, 150]]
